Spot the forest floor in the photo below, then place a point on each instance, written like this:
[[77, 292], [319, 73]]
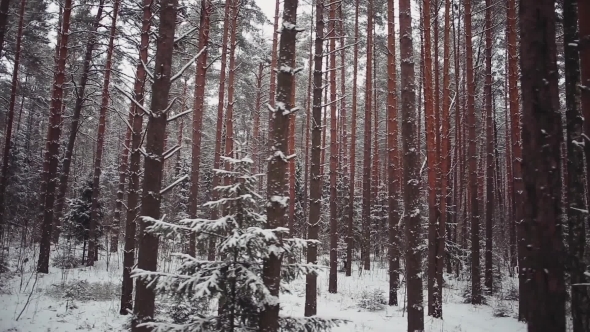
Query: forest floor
[[87, 299]]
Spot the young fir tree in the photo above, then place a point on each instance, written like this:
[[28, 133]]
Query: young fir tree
[[234, 280]]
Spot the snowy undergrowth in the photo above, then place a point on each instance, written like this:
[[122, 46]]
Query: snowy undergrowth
[[44, 309]]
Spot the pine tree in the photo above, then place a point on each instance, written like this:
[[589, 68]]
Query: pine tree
[[235, 280]]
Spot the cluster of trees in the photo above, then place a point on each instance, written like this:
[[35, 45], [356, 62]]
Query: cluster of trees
[[473, 144]]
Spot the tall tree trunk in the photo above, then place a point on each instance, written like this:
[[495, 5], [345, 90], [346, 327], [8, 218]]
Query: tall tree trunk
[[11, 105], [256, 121], [315, 186], [308, 116], [95, 208], [135, 161], [584, 51], [333, 277], [219, 128], [576, 189], [472, 165], [445, 163], [434, 299], [411, 171], [198, 110], [393, 169], [366, 211], [273, 65], [489, 207], [75, 124], [350, 217], [277, 165], [518, 187], [151, 199], [541, 165], [52, 145]]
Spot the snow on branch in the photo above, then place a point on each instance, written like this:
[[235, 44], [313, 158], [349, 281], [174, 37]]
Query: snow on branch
[[130, 97], [188, 64], [170, 152], [184, 35], [174, 184], [176, 116]]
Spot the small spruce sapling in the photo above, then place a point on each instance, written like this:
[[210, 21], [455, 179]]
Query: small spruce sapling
[[234, 281]]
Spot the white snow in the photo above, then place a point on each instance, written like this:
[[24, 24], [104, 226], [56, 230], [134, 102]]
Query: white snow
[[50, 313]]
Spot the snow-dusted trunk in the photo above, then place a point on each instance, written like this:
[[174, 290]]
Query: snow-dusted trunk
[[273, 66], [256, 139], [393, 164], [541, 166], [315, 185], [136, 115], [445, 161], [577, 218], [350, 217], [75, 125], [104, 104], [489, 206], [472, 164], [366, 210], [333, 277], [518, 187], [151, 198], [51, 159], [11, 105], [576, 189], [411, 172], [584, 51], [219, 126], [277, 165], [434, 298], [198, 109]]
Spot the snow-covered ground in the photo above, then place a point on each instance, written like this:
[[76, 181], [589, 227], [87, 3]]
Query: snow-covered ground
[[89, 302]]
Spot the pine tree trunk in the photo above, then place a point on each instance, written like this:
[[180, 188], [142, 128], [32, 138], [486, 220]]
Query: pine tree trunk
[[135, 162], [434, 299], [219, 128], [445, 165], [350, 217], [315, 186], [95, 208], [576, 189], [366, 211], [75, 125], [198, 110], [541, 165], [333, 277], [151, 199], [472, 164], [489, 207], [411, 169], [584, 51], [52, 145], [277, 165], [393, 170], [11, 105], [518, 188]]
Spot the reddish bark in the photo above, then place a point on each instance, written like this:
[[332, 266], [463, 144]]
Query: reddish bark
[[315, 186], [151, 199], [136, 115], [366, 209], [472, 165], [198, 109], [277, 165], [393, 164], [219, 127], [350, 217], [52, 145]]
